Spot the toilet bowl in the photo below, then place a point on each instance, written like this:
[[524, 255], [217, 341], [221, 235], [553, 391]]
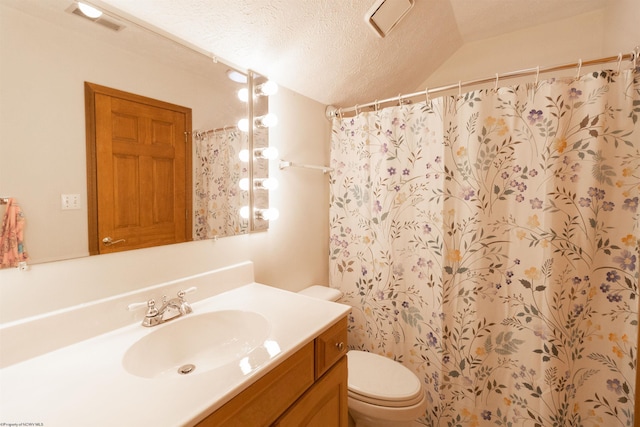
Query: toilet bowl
[[381, 391]]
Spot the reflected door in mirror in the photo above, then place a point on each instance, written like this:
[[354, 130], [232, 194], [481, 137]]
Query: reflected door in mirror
[[142, 171]]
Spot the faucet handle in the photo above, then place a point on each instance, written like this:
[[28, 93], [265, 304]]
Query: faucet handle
[[182, 293], [151, 304]]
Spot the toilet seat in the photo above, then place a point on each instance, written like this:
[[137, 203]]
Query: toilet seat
[[381, 381]]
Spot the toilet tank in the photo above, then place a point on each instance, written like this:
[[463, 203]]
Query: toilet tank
[[321, 292]]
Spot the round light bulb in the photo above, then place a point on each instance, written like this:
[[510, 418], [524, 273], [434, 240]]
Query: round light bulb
[[266, 183], [270, 214], [268, 120], [89, 11], [269, 183], [269, 153], [268, 88], [243, 94], [243, 125], [244, 184], [244, 212], [244, 155]]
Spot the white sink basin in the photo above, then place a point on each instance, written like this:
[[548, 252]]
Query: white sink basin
[[196, 343]]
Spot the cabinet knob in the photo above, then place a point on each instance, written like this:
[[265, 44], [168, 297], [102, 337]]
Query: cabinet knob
[[340, 346]]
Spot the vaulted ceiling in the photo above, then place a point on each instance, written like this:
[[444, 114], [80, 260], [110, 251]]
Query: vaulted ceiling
[[324, 49]]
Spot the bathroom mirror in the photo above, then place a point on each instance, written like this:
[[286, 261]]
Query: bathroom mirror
[[48, 52]]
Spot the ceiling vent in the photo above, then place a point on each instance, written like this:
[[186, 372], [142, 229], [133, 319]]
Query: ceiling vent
[[384, 15], [105, 21]]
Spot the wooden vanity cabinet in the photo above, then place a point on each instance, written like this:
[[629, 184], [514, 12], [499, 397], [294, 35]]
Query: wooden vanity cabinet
[[308, 389]]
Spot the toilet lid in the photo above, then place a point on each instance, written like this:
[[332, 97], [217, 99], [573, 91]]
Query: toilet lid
[[377, 378]]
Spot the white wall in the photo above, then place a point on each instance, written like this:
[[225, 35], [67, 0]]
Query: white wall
[[291, 255], [604, 32], [622, 24]]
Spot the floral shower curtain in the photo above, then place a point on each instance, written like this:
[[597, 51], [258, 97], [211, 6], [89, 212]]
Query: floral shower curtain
[[218, 171], [489, 242]]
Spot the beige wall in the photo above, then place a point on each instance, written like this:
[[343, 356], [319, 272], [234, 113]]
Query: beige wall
[[605, 32]]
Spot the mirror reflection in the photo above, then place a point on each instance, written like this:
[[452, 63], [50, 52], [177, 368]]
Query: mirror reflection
[[48, 52]]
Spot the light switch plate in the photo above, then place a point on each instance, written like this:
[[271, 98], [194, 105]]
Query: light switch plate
[[70, 201]]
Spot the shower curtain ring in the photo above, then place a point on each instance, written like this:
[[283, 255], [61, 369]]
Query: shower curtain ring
[[537, 74], [357, 112], [495, 88], [340, 113], [459, 88], [426, 94], [579, 68], [619, 62], [400, 100]]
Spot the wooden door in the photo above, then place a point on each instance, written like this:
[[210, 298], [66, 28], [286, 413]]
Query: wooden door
[[141, 152]]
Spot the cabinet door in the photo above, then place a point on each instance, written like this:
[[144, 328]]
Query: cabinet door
[[331, 345], [264, 401], [324, 404]]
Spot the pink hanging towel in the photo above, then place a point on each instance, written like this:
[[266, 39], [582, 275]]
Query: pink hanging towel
[[12, 250]]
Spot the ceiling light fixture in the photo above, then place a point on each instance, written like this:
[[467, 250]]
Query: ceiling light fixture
[[89, 11], [237, 76]]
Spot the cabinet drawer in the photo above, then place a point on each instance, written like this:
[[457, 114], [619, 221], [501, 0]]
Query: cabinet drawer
[[331, 346]]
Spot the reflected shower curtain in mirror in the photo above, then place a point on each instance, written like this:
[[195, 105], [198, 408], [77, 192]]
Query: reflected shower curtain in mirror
[[218, 197], [489, 242]]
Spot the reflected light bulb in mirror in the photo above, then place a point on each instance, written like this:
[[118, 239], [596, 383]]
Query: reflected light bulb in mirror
[[267, 88], [237, 76], [267, 121], [243, 94], [244, 184], [243, 125], [244, 212], [244, 155], [89, 11]]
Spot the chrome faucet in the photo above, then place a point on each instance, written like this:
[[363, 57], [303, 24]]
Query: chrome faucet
[[171, 309]]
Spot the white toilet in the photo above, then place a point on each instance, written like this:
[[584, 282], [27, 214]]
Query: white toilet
[[381, 391]]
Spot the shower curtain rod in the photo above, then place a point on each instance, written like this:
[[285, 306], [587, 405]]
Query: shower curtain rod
[[332, 112], [222, 129]]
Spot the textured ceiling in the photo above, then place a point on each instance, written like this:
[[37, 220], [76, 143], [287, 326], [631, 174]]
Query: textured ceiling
[[324, 49]]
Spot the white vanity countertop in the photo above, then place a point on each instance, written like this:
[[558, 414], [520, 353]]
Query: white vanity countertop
[[86, 384]]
